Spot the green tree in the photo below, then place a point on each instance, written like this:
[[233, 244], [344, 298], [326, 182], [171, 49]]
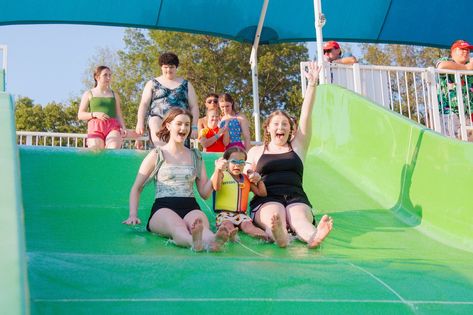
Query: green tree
[[401, 55], [28, 116], [54, 117], [404, 84], [212, 65]]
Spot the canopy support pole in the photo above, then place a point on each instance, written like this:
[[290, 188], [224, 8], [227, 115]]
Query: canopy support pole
[[319, 24], [254, 72]]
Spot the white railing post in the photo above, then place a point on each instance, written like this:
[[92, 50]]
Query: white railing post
[[4, 68], [461, 106], [432, 86], [254, 71], [357, 78], [319, 24], [303, 78]]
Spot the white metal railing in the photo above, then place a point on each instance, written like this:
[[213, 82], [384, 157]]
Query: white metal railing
[[75, 140], [431, 97]]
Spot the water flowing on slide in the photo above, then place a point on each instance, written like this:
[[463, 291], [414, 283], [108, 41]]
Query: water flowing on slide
[[402, 241]]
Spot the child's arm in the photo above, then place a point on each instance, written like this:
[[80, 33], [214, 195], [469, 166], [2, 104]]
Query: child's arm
[[225, 134], [217, 176], [207, 142], [257, 185]]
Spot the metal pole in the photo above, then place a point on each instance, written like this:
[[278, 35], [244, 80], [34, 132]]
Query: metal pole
[[3, 80], [319, 23], [254, 72]]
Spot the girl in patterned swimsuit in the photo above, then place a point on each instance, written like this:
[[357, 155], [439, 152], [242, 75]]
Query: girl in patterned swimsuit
[[238, 126], [161, 94], [232, 189], [175, 212]]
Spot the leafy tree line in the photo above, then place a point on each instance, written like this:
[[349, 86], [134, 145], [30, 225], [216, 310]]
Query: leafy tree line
[[212, 65], [54, 117]]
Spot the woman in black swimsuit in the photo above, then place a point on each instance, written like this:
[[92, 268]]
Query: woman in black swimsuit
[[280, 163]]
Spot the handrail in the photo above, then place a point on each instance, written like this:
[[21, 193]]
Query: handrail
[[409, 91]]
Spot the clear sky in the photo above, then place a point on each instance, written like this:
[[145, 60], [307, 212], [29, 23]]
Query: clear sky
[[47, 62]]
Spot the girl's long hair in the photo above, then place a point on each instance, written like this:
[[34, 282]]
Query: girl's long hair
[[163, 133]]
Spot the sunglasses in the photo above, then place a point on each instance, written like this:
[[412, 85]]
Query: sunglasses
[[238, 162], [215, 101]]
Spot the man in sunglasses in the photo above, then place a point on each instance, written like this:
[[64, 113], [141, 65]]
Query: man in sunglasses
[[333, 53], [211, 102]]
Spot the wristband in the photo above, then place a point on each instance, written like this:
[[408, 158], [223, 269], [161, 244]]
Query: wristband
[[216, 136]]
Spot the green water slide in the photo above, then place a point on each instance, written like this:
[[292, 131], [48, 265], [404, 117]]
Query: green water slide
[[402, 242]]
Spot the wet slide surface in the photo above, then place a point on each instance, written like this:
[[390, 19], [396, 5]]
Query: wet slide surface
[[399, 245]]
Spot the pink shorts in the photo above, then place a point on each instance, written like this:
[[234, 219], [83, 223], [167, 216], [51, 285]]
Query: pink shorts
[[97, 128]]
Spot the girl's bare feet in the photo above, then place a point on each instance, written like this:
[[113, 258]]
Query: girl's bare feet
[[233, 234], [249, 228], [221, 237], [323, 229], [196, 231], [279, 231]]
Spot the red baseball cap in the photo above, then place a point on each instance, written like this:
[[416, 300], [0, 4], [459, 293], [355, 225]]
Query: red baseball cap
[[331, 45], [461, 44]]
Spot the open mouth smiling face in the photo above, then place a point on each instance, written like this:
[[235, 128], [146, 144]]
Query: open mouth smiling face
[[279, 128], [180, 127]]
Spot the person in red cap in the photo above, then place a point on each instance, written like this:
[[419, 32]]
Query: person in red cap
[[447, 94], [333, 53], [460, 57]]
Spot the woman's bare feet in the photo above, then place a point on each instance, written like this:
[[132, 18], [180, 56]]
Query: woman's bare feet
[[221, 237], [279, 231], [323, 229], [196, 231]]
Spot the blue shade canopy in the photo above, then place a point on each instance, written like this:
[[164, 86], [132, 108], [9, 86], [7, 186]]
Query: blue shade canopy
[[430, 23]]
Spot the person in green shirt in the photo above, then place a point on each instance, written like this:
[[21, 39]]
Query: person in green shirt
[[100, 107]]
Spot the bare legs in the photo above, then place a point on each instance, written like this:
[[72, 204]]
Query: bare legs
[[273, 217], [95, 144], [113, 141], [192, 231], [232, 230], [154, 124], [323, 229], [300, 219], [249, 228]]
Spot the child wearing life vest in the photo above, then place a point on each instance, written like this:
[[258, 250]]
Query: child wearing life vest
[[231, 192]]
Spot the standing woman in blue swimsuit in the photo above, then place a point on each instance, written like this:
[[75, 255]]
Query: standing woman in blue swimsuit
[[162, 93], [280, 163]]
